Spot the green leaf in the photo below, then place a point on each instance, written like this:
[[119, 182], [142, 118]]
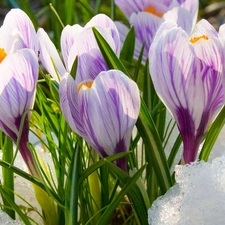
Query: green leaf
[[74, 68], [72, 188], [30, 178], [56, 14], [212, 135], [127, 51], [47, 111], [138, 66], [87, 7], [109, 55], [129, 186], [8, 176], [23, 217], [99, 164], [174, 151], [149, 133], [69, 11]]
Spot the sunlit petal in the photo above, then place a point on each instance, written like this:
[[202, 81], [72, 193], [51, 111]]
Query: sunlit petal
[[49, 56], [90, 60], [17, 87], [180, 16], [192, 6], [145, 26], [103, 111], [187, 73], [18, 23], [106, 23], [68, 37]]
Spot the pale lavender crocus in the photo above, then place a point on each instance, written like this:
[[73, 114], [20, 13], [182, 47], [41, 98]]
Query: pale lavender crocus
[[19, 74], [187, 72], [103, 111], [147, 15], [77, 41], [17, 32]]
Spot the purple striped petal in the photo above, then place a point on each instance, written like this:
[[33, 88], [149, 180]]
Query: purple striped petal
[[103, 114], [90, 60], [68, 38], [17, 22], [146, 17], [190, 82], [90, 65], [134, 6], [106, 23], [17, 88], [10, 43], [67, 93], [192, 6], [145, 25], [49, 56], [182, 17], [203, 27], [129, 7]]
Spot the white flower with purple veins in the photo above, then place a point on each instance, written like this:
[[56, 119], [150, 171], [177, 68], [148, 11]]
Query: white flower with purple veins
[[78, 41], [147, 15], [103, 111], [188, 75], [19, 74], [17, 32]]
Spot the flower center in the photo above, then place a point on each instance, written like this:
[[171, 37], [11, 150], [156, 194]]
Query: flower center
[[87, 85], [195, 39], [153, 11], [3, 54]]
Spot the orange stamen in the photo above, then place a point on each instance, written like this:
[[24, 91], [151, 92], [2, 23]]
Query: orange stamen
[[152, 10], [88, 85], [195, 39], [3, 54]]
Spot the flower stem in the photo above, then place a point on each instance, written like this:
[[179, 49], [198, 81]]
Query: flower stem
[[7, 175]]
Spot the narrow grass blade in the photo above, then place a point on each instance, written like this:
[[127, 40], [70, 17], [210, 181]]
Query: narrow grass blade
[[127, 184], [72, 188], [15, 207], [212, 135]]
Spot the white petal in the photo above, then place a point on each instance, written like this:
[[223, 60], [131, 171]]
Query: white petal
[[18, 23], [171, 49], [68, 38], [17, 87], [182, 17], [112, 106], [86, 42], [49, 56], [103, 21]]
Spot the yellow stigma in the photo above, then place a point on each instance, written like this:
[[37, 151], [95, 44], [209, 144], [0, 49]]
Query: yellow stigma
[[195, 39], [152, 10], [88, 85], [3, 54]]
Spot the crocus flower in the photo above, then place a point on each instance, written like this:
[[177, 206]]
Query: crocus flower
[[72, 38], [19, 74], [103, 111], [147, 15], [187, 72], [17, 32]]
